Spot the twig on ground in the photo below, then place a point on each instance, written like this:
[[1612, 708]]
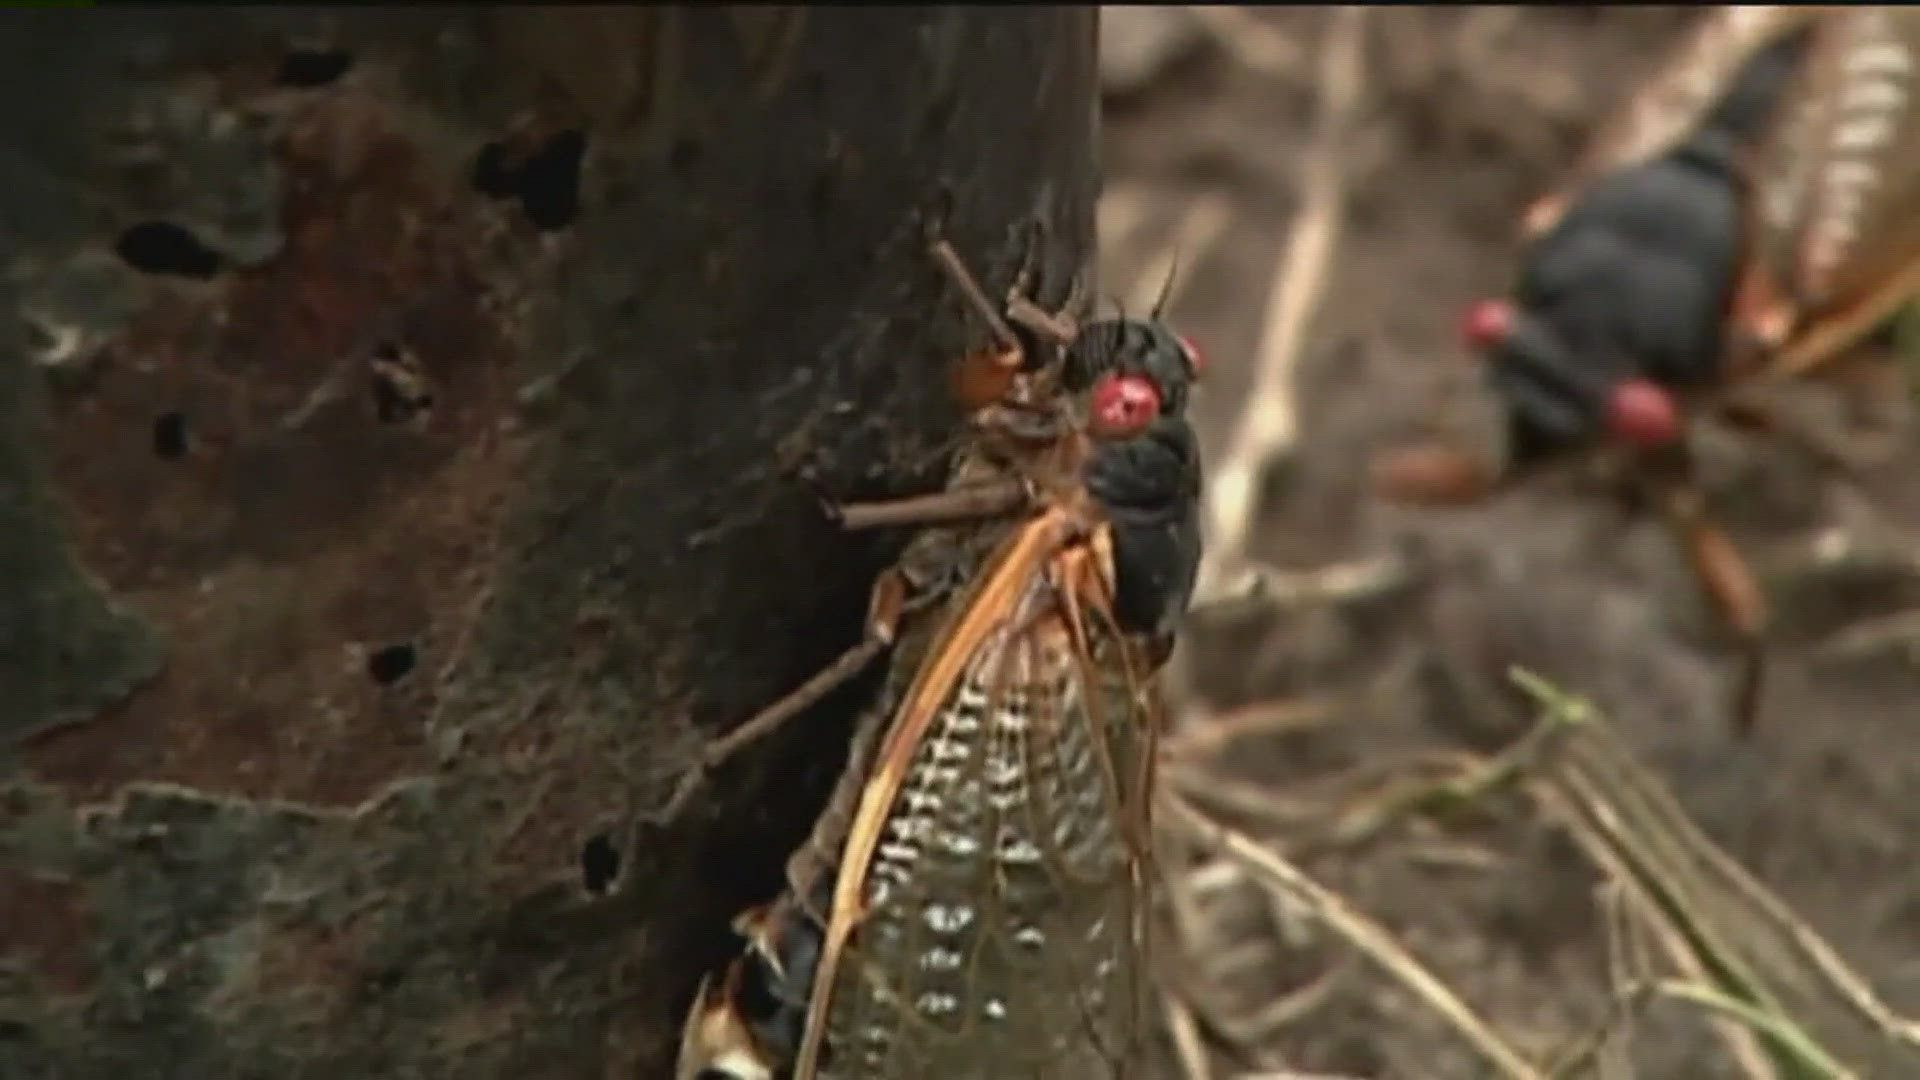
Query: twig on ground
[[1203, 737], [1266, 427], [1186, 1037], [1356, 828], [1290, 1007], [1232, 581], [1279, 875], [1778, 994]]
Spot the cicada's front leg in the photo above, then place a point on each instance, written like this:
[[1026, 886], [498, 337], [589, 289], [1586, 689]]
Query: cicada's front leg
[[1730, 586], [894, 595], [1434, 475], [1058, 328], [989, 377], [969, 502], [986, 377]]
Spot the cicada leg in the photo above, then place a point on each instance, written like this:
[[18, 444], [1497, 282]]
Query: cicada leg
[[1058, 328], [987, 378], [1730, 586], [970, 502], [891, 599], [1434, 475], [982, 378], [963, 280], [1756, 419]]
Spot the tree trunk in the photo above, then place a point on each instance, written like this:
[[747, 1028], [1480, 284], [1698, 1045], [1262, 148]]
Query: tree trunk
[[411, 434]]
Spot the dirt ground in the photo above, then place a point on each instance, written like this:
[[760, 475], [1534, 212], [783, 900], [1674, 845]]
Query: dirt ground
[[1469, 113]]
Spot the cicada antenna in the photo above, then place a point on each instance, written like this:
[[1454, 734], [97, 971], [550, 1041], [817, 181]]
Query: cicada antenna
[[1166, 287]]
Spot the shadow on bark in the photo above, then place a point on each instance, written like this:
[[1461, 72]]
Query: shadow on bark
[[410, 444]]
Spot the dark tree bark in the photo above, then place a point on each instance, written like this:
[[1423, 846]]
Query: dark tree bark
[[411, 425]]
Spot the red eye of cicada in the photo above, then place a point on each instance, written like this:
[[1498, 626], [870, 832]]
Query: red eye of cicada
[[1123, 405], [1486, 323], [1642, 414]]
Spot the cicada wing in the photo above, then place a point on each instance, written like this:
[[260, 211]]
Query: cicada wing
[[1128, 712], [1077, 925], [998, 934], [1670, 102], [1838, 193]]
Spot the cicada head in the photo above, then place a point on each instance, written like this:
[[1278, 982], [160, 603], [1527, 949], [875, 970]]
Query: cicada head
[[1135, 370], [1145, 470]]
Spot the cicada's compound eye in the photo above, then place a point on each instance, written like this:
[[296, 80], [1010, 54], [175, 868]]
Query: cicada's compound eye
[[1486, 323], [1642, 414], [1196, 364], [1123, 405]]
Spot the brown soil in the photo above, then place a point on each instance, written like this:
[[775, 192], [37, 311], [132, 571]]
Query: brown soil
[[1471, 113]]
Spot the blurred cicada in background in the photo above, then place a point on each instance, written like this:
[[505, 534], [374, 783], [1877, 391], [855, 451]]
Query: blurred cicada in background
[[974, 901], [1752, 215]]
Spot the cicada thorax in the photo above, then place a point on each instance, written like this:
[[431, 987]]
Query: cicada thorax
[[970, 903]]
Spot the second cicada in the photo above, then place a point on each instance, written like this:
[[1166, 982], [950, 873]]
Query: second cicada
[[1751, 214], [974, 901]]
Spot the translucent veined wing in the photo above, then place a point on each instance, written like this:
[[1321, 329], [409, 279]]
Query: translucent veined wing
[[989, 905], [1837, 195], [1671, 102]]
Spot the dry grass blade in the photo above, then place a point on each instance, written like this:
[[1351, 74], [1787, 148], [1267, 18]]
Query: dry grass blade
[[1186, 1038], [1266, 427], [1232, 583], [1601, 1052], [1466, 785], [1752, 960], [1280, 876]]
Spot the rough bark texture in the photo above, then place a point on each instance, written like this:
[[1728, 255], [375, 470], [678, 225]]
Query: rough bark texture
[[410, 428]]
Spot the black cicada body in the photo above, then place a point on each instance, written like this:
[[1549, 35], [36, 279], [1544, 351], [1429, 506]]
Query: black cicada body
[[1749, 215]]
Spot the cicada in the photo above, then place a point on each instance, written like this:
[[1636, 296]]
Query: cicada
[[974, 901], [1751, 215]]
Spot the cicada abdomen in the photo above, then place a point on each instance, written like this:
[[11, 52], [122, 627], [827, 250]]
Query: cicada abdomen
[[973, 901], [1837, 235]]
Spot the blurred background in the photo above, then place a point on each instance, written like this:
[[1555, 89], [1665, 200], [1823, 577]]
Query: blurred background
[[1335, 186]]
